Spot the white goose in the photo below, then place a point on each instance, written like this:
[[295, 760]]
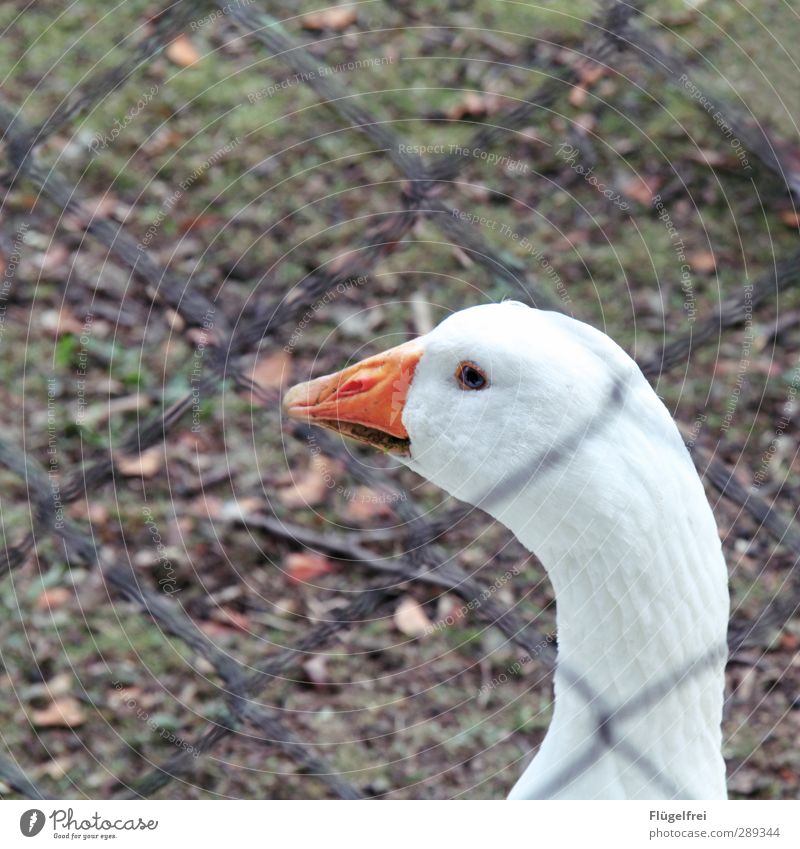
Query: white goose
[[550, 427]]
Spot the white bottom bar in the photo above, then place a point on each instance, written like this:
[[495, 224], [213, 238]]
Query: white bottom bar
[[402, 825]]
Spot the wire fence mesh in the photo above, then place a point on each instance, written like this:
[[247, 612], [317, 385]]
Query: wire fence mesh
[[615, 36]]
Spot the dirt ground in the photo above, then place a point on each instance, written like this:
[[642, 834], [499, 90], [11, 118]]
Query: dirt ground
[[226, 168]]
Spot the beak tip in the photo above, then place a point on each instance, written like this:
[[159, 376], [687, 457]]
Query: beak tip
[[295, 401]]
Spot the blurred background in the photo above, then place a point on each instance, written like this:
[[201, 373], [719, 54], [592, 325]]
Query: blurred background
[[638, 198]]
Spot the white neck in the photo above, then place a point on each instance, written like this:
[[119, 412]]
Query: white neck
[[641, 597]]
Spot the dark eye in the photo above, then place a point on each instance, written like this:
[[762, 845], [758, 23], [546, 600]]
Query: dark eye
[[471, 376]]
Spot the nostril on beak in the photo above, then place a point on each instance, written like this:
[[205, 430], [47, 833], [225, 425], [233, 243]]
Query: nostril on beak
[[351, 387]]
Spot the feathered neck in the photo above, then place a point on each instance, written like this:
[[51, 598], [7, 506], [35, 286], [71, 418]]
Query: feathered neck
[[626, 534]]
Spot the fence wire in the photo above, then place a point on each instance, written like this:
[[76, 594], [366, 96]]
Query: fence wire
[[612, 38]]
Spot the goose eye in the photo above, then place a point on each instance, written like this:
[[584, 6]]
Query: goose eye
[[471, 376]]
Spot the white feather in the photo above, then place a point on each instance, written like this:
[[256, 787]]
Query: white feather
[[572, 450]]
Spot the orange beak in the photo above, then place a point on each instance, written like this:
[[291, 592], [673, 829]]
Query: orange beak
[[364, 401]]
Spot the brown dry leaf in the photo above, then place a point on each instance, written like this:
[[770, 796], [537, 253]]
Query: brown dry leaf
[[366, 505], [232, 618], [59, 322], [336, 18], [422, 313], [60, 685], [239, 509], [571, 239], [310, 487], [287, 607], [144, 465], [54, 260], [214, 630], [703, 262], [65, 712], [162, 140], [208, 507], [642, 189], [411, 619], [588, 73], [272, 371], [745, 780], [103, 410], [315, 668], [450, 610], [473, 105], [585, 122], [462, 256], [791, 217], [53, 598], [199, 223], [58, 768], [182, 51], [303, 566], [96, 512], [119, 696], [577, 97], [99, 206], [202, 336], [712, 158]]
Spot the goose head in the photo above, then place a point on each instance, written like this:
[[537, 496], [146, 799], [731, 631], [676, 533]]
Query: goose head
[[497, 399]]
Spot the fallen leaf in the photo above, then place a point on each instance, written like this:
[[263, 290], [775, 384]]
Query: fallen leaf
[[58, 768], [586, 122], [703, 262], [365, 505], [271, 371], [59, 322], [310, 487], [60, 685], [315, 668], [286, 606], [65, 712], [336, 18], [127, 696], [450, 610], [96, 511], [97, 413], [182, 51], [712, 158], [161, 140], [106, 205], [791, 217], [588, 74], [239, 509], [473, 105], [745, 781], [232, 618], [144, 465], [421, 313], [411, 619], [641, 189], [202, 336], [54, 260], [215, 630], [198, 223], [207, 506], [304, 566]]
